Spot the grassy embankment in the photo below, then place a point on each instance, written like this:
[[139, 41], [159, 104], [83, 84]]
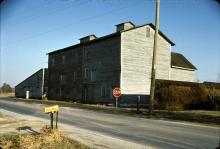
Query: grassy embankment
[[46, 139], [196, 116]]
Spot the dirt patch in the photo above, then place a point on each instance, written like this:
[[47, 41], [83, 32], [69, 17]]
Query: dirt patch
[[21, 133]]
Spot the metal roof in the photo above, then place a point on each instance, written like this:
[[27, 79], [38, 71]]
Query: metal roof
[[112, 35], [179, 60]]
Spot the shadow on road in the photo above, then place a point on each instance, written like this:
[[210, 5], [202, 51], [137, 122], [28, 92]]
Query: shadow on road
[[28, 129]]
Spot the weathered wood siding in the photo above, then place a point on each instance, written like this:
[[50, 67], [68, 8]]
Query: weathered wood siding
[[62, 84], [96, 66], [103, 59], [178, 74], [136, 60], [33, 84]]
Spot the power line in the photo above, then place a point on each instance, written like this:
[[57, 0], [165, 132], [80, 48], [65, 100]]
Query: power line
[[73, 23], [34, 16], [32, 9]]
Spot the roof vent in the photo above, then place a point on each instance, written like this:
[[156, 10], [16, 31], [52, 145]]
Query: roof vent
[[87, 38], [124, 26]]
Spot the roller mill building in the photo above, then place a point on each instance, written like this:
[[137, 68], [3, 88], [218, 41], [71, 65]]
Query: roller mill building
[[88, 71]]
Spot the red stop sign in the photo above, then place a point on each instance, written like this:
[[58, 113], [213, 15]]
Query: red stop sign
[[117, 92]]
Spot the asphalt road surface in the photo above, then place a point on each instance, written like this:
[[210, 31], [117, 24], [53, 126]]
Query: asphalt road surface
[[155, 133]]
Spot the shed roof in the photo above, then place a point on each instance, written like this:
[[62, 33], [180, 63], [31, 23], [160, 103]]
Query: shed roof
[[31, 76], [179, 60]]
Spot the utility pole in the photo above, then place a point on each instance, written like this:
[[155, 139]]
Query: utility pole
[[153, 69]]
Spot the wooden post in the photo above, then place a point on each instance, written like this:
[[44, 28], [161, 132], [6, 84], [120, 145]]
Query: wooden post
[[51, 120], [138, 104], [153, 69], [56, 119]]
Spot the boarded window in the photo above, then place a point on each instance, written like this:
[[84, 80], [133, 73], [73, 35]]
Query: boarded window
[[74, 92], [106, 91], [52, 62], [148, 32], [75, 57], [63, 59], [85, 53], [111, 92], [60, 92]]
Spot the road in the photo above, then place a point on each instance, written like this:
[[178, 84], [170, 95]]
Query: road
[[146, 132]]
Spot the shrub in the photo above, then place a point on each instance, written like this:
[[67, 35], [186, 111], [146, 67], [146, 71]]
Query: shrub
[[171, 95]]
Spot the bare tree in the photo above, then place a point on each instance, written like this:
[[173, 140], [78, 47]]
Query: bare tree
[[6, 88]]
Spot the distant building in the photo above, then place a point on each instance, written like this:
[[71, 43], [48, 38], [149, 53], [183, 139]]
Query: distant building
[[36, 84], [88, 71], [181, 68]]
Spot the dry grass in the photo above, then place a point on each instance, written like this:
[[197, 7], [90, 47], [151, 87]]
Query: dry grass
[[47, 139], [7, 94]]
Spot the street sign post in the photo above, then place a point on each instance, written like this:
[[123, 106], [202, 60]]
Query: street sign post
[[116, 93], [51, 110]]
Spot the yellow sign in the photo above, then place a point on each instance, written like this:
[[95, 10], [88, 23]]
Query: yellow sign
[[51, 109]]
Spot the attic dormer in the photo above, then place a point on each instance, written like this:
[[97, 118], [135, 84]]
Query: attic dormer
[[87, 38], [124, 26]]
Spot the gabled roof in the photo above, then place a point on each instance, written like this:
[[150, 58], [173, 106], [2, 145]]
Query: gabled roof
[[178, 60], [153, 27], [113, 35], [163, 35]]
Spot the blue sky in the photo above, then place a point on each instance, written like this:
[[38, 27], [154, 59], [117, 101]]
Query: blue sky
[[30, 29]]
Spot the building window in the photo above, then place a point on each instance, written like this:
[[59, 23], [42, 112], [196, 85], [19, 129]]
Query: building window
[[63, 78], [93, 75], [52, 62], [75, 57], [60, 92], [110, 92], [148, 32], [74, 76], [107, 92], [74, 92], [85, 53], [103, 93], [86, 73], [63, 59]]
